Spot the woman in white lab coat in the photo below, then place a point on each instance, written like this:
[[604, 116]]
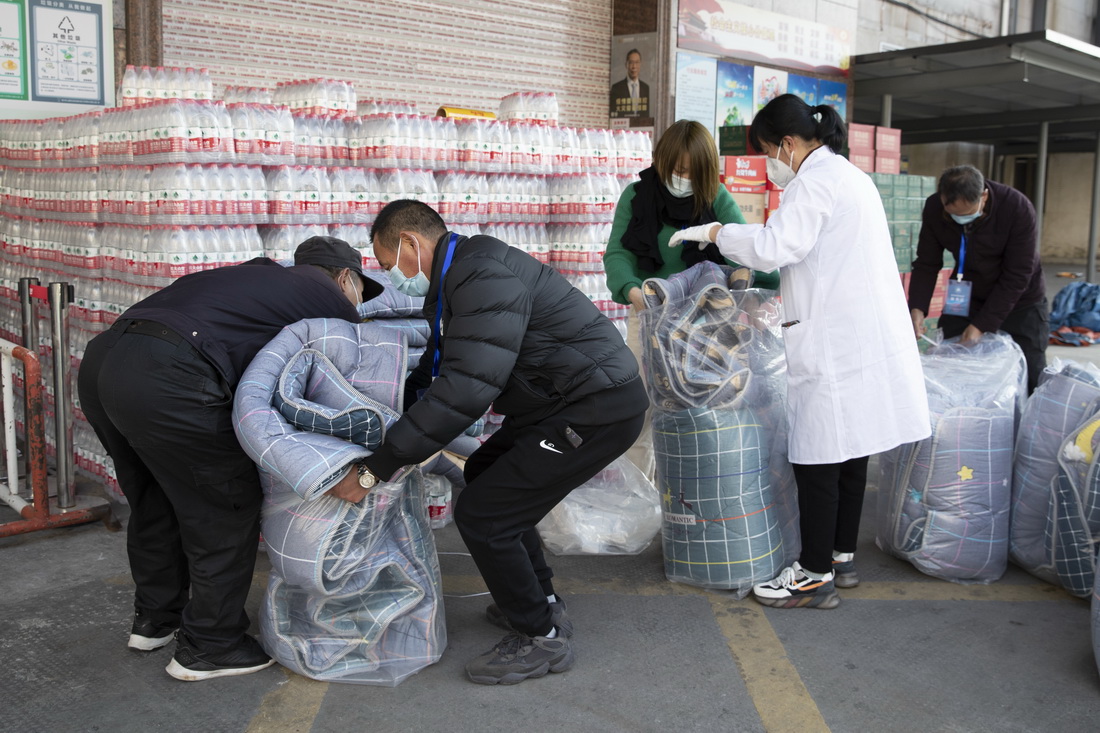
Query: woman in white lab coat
[[854, 380]]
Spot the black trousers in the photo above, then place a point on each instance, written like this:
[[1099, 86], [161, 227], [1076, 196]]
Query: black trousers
[[165, 416], [1028, 326], [512, 482], [830, 502]]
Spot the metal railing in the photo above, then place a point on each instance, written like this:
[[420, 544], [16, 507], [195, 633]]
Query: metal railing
[[42, 512]]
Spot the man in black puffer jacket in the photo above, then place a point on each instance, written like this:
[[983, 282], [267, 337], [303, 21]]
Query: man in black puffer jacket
[[510, 332]]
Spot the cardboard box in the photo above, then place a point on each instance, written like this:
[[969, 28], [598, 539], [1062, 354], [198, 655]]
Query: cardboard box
[[884, 183], [752, 206], [861, 137], [901, 235], [888, 140], [746, 173], [890, 163], [735, 141], [862, 158]]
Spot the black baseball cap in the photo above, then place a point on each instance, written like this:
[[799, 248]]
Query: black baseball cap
[[335, 252]]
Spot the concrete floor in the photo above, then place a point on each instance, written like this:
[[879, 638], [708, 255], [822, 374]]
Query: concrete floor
[[903, 652]]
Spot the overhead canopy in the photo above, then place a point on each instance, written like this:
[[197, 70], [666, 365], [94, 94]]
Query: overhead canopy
[[993, 90]]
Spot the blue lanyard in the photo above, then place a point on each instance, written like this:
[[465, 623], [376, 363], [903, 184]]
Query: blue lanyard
[[436, 332], [962, 258]]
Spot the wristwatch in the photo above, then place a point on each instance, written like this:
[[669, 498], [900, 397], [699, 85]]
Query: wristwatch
[[366, 479]]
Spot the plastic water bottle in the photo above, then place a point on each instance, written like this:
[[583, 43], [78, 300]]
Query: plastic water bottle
[[128, 89], [145, 90], [160, 83]]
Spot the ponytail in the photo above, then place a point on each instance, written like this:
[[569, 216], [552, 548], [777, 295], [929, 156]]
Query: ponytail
[[831, 130], [787, 115]]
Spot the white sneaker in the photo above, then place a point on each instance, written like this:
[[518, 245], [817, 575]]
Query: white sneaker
[[792, 588]]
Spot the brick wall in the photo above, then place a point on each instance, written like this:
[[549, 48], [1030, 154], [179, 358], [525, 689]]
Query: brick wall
[[457, 52]]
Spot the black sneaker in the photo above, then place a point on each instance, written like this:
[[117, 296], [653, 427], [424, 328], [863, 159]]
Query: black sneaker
[[145, 635], [844, 568], [518, 657], [558, 617], [191, 665]]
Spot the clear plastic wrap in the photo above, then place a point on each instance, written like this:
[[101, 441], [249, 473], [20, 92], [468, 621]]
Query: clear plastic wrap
[[1096, 621], [1067, 397], [943, 502], [1073, 525], [354, 593], [716, 372], [616, 512]]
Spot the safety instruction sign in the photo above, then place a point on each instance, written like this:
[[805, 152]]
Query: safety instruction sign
[[66, 51], [13, 50]]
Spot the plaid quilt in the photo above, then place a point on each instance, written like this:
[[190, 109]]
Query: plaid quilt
[[715, 369], [1068, 396], [943, 502], [354, 593]]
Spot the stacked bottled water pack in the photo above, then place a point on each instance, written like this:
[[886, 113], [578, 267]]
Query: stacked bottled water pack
[[119, 203], [541, 107], [144, 84]]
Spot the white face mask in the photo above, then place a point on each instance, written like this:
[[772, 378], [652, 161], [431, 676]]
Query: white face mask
[[679, 187], [780, 173], [355, 281]]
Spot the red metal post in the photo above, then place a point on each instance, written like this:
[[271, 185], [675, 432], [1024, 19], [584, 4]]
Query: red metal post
[[38, 514]]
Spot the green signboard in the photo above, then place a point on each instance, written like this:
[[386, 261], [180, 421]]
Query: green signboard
[[13, 50]]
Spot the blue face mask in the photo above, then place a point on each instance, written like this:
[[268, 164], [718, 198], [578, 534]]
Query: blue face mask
[[965, 219], [415, 286]]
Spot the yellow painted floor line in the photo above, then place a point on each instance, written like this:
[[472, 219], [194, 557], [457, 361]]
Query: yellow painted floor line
[[945, 591], [781, 699], [291, 707]]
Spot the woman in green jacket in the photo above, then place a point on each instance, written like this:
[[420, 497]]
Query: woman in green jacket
[[679, 190]]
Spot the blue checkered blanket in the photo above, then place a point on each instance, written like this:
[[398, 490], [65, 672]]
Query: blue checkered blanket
[[1068, 397], [715, 368], [1096, 621], [354, 593]]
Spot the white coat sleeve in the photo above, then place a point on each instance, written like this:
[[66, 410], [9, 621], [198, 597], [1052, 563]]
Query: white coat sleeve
[[789, 235]]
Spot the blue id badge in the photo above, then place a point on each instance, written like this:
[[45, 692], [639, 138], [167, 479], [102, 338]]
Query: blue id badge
[[957, 302]]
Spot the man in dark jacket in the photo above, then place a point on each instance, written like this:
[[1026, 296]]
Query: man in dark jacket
[[990, 230], [510, 332], [158, 390]]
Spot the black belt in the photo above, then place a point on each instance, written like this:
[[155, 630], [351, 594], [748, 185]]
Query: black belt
[[152, 328]]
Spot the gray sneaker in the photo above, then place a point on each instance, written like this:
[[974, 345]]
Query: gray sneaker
[[517, 657], [845, 571], [558, 617]]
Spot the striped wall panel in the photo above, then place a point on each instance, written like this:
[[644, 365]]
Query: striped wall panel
[[466, 53]]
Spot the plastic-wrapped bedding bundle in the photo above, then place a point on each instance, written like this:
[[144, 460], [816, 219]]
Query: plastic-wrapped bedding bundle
[[616, 512], [1096, 621], [944, 501], [355, 589], [715, 370], [1068, 396], [1073, 526]]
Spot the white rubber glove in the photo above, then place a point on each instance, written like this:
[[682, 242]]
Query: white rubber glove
[[699, 234]]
